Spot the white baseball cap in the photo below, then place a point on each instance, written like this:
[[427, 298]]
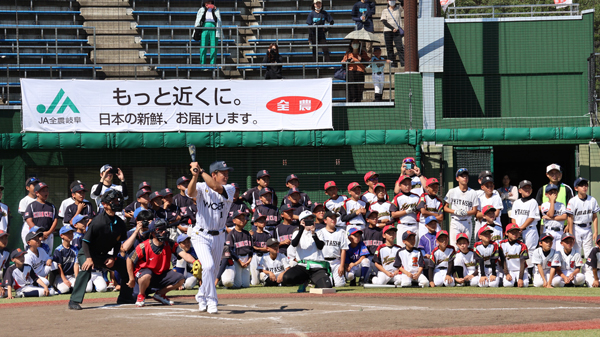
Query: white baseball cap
[[305, 214], [553, 167]]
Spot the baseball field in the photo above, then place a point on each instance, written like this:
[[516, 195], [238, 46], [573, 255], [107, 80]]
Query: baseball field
[[352, 311]]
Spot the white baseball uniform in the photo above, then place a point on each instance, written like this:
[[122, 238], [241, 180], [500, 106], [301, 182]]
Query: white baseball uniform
[[553, 227], [441, 261], [547, 261], [468, 262], [334, 206], [593, 261], [385, 256], [431, 203], [277, 266], [332, 251], [464, 201], [22, 209], [513, 254], [569, 263], [523, 209], [352, 206], [495, 201], [211, 216], [411, 261], [408, 222], [582, 212], [38, 262], [487, 257], [63, 208]]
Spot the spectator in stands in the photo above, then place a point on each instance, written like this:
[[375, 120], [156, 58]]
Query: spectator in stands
[[508, 194], [356, 70], [209, 16], [273, 72], [362, 14], [318, 16], [393, 32]]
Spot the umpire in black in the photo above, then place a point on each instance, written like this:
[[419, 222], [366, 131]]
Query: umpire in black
[[100, 247]]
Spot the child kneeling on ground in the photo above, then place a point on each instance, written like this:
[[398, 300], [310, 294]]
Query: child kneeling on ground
[[546, 261], [272, 266], [409, 262], [442, 260], [22, 278], [570, 269]]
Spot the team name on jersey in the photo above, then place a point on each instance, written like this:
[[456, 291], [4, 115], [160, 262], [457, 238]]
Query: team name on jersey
[[216, 206], [285, 237], [275, 270], [243, 243], [332, 243], [43, 214], [388, 260], [460, 202], [521, 212], [375, 243], [584, 212]]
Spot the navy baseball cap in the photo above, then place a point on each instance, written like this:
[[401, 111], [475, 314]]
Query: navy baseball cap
[[285, 208], [408, 234], [430, 219], [65, 229], [78, 188], [265, 191], [32, 180], [182, 180], [546, 236], [235, 185], [166, 192], [525, 183], [78, 218], [315, 205], [369, 212], [293, 190], [75, 183], [257, 215], [271, 241], [105, 167], [566, 236], [291, 177], [16, 253], [219, 166], [144, 184], [142, 192], [484, 173], [157, 223], [39, 186], [551, 187], [31, 236], [262, 173], [330, 214], [579, 181], [461, 171], [354, 230], [238, 212], [182, 237], [154, 195], [486, 179]]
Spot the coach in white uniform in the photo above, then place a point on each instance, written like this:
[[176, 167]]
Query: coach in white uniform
[[213, 198]]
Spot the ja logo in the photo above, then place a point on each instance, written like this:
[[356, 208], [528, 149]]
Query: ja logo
[[67, 103]]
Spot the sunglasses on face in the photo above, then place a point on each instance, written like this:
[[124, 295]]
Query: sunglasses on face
[[374, 179]]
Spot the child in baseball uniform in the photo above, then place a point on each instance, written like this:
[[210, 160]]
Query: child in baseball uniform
[[42, 214], [545, 263], [404, 207], [592, 273], [269, 210], [582, 219], [22, 278], [4, 260], [239, 241], [285, 230], [318, 211], [490, 220], [357, 262], [292, 181], [237, 204], [427, 242], [553, 215], [384, 259], [461, 202], [293, 199], [514, 255], [259, 245], [371, 179], [37, 258], [382, 206], [526, 214], [336, 244], [252, 197], [272, 266], [488, 197], [30, 184], [79, 206], [409, 168], [335, 201], [181, 265], [465, 263], [442, 262], [372, 238], [354, 208], [487, 254], [378, 72], [66, 261], [430, 205], [571, 262], [409, 261]]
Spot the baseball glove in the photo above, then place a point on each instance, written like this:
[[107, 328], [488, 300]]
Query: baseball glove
[[197, 270]]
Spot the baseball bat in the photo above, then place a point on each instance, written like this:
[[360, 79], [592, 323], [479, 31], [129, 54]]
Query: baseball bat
[[192, 149], [369, 285]]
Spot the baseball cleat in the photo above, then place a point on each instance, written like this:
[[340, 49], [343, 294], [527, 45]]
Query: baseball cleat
[[141, 301], [163, 299], [202, 306], [74, 306], [212, 309]]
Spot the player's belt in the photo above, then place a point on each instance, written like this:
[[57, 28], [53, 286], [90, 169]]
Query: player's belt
[[213, 233], [582, 225], [258, 254], [441, 268], [331, 258], [556, 229]]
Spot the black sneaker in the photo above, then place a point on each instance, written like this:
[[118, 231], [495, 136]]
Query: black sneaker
[[353, 283], [74, 306], [125, 301]]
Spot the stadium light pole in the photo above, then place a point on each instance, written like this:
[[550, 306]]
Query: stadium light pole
[[410, 36]]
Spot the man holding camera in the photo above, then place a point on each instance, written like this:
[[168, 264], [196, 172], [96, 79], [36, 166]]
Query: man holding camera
[[418, 181], [107, 174]]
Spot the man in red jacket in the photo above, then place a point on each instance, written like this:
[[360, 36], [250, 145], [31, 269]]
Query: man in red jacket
[[150, 263]]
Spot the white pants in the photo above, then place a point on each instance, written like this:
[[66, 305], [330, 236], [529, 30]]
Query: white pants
[[96, 281], [209, 250], [254, 274], [556, 235], [235, 276], [382, 279], [190, 280], [403, 228], [531, 239], [356, 271], [589, 276], [61, 286], [486, 284], [578, 280], [338, 281], [49, 241], [378, 81], [515, 278], [423, 230], [405, 281], [556, 281], [583, 240], [456, 227], [439, 278], [30, 288], [474, 282]]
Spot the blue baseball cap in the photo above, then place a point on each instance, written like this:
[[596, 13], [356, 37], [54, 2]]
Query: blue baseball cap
[[34, 229], [551, 187], [32, 180], [430, 219], [461, 171], [78, 218], [219, 166], [182, 237], [66, 229], [354, 230], [579, 181]]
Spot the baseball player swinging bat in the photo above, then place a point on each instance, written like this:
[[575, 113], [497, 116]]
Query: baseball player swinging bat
[[192, 149]]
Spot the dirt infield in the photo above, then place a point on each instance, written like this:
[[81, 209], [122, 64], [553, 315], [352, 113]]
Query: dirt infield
[[305, 314]]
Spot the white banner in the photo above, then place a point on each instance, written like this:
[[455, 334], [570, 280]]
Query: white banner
[[446, 3], [562, 2], [175, 105]]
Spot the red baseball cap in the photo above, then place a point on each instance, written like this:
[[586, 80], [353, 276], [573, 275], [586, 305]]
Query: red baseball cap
[[352, 186], [484, 229], [488, 208], [408, 160], [378, 185], [402, 178], [370, 175], [389, 227], [462, 235], [512, 226], [431, 181], [2, 233], [442, 232], [329, 184]]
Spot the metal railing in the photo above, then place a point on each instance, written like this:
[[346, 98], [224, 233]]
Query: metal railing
[[501, 11], [48, 45]]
